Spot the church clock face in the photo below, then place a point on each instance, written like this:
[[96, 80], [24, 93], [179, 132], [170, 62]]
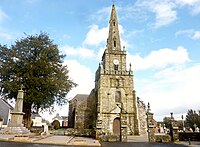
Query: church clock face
[[116, 62]]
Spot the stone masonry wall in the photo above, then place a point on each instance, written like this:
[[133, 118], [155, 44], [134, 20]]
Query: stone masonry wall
[[142, 117]]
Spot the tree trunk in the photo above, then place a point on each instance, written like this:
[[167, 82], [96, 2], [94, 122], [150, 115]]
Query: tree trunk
[[27, 115]]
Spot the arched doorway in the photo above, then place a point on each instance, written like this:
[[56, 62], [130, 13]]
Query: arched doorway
[[116, 126]]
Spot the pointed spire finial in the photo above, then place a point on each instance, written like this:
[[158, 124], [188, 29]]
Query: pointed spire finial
[[148, 107], [113, 42], [124, 48]]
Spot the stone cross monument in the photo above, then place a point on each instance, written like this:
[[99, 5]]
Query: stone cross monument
[[16, 126], [17, 114]]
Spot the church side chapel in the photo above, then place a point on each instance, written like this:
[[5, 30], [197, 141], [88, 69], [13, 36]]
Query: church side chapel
[[112, 108]]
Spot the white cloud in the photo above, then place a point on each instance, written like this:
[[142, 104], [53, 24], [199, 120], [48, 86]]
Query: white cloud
[[101, 14], [194, 5], [134, 33], [121, 29], [81, 75], [100, 53], [6, 36], [2, 16], [196, 35], [187, 2], [159, 59], [196, 9], [3, 34], [80, 51], [95, 36], [165, 13], [190, 33], [174, 89]]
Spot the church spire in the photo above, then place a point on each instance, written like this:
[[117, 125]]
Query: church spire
[[113, 42]]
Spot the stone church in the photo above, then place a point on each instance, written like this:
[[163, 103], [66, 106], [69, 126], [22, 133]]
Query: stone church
[[111, 109]]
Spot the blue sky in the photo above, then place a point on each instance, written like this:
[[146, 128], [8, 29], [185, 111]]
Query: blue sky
[[162, 40]]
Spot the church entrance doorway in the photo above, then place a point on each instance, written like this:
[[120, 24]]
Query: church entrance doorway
[[116, 126]]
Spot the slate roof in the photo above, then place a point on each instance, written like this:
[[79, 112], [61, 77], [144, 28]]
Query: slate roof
[[80, 98], [64, 117], [58, 117]]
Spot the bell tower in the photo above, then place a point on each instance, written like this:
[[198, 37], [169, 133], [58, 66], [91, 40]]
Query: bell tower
[[114, 86], [114, 59]]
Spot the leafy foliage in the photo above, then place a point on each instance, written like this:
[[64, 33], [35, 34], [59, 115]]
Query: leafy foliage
[[56, 124], [193, 118], [179, 124], [35, 62], [167, 121]]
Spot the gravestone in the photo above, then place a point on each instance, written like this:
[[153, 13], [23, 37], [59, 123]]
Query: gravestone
[[197, 129], [46, 130], [16, 126], [161, 128]]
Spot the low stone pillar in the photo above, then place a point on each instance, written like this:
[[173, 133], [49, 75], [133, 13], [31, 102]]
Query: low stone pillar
[[151, 133], [124, 134], [46, 129], [150, 126], [175, 134]]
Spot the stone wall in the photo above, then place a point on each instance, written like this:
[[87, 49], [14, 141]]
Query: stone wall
[[80, 132], [185, 136], [77, 107], [142, 117], [85, 112], [162, 138]]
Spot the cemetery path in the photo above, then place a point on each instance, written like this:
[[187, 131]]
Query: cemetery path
[[59, 141]]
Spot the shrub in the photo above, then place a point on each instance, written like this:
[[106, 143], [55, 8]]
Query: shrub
[[56, 124]]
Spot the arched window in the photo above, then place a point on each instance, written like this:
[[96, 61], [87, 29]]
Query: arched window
[[117, 96]]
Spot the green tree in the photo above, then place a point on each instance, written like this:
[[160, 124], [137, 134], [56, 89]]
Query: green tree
[[56, 124], [192, 118], [35, 63], [179, 124], [167, 121]]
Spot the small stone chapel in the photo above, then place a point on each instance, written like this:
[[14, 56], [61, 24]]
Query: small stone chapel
[[111, 109]]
